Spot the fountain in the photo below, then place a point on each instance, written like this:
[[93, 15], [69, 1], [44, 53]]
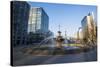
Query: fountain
[[59, 40]]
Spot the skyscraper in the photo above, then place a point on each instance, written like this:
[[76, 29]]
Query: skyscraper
[[38, 25], [38, 21], [19, 22]]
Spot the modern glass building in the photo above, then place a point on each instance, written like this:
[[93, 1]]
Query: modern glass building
[[19, 22], [89, 28], [38, 21], [38, 25]]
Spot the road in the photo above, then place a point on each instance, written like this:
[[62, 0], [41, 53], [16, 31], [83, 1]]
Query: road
[[35, 60]]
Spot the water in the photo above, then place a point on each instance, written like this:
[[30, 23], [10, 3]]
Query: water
[[47, 42]]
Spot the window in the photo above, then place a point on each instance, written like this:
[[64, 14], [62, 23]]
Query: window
[[18, 41]]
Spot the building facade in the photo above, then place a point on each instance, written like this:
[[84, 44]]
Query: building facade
[[38, 21], [38, 25], [19, 22], [89, 28]]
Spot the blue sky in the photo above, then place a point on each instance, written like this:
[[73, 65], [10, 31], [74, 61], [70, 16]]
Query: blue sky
[[68, 16]]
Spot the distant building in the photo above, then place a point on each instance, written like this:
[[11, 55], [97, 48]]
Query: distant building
[[80, 34], [89, 28], [19, 22], [38, 21]]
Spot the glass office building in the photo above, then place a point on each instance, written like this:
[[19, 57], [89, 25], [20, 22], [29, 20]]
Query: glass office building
[[19, 22], [38, 21]]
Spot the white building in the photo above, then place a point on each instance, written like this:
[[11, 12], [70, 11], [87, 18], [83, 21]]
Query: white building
[[88, 27]]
